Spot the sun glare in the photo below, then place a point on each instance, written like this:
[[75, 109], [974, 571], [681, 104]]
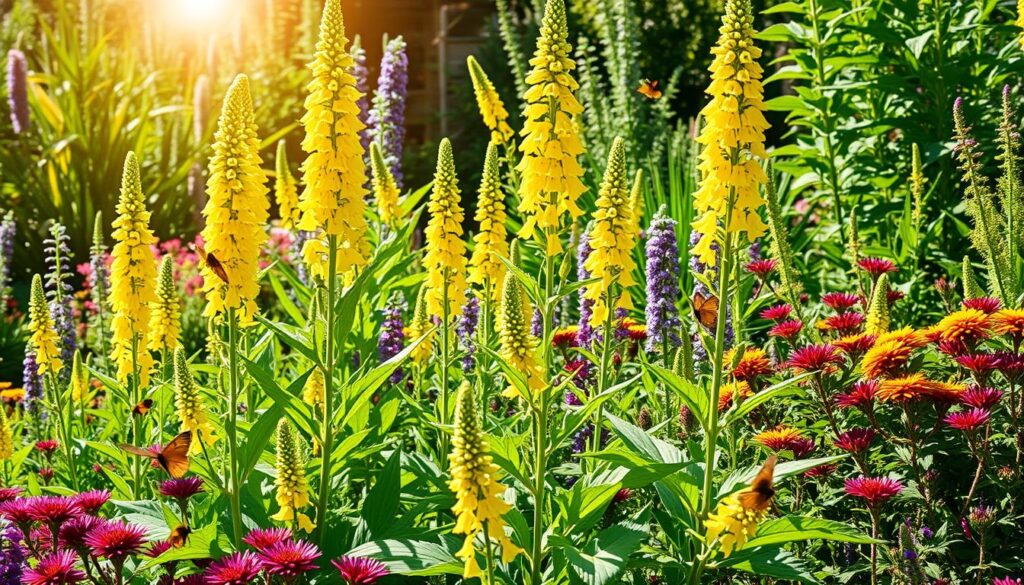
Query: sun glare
[[195, 13]]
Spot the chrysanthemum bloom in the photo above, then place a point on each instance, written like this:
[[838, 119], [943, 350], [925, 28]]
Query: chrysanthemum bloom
[[475, 480], [334, 172], [912, 387], [781, 438], [236, 212], [662, 311], [158, 548], [261, 538], [877, 266], [91, 501], [731, 391], [966, 326], [445, 257], [820, 357], [385, 190], [732, 524], [753, 364], [845, 323], [786, 329], [1008, 322], [240, 568], [9, 493], [968, 420], [978, 363], [485, 266], [874, 490], [518, 345], [978, 397], [777, 313], [861, 395], [43, 340], [392, 336], [188, 402], [165, 317], [132, 278], [732, 136], [292, 490], [47, 446], [552, 179], [360, 570], [73, 532], [987, 305], [855, 440], [611, 240], [1007, 580], [181, 488], [18, 511], [492, 109], [761, 268], [1011, 365], [57, 568], [564, 337], [286, 193], [53, 510], [821, 471], [840, 301], [420, 326], [116, 539], [885, 359], [288, 559]]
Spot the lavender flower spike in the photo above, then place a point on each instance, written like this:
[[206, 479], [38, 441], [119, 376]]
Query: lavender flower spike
[[392, 336], [465, 329], [663, 322], [17, 90], [7, 233], [585, 333], [387, 117]]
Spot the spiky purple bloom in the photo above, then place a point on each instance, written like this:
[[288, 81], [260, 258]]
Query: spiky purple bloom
[[58, 292], [362, 75], [32, 383], [663, 323], [17, 90], [295, 254], [585, 336], [392, 336], [12, 556], [8, 230], [387, 117], [465, 329], [536, 323]]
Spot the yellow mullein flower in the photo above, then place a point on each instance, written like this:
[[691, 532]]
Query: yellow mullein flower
[[1020, 20], [476, 484], [189, 404], [236, 213], [551, 175], [79, 379], [165, 319], [733, 135], [43, 339], [611, 239], [485, 266], [132, 278], [385, 190], [6, 437], [420, 326], [334, 173], [518, 345], [636, 203], [314, 388], [492, 110], [445, 258], [286, 192], [292, 488], [878, 311], [732, 524]]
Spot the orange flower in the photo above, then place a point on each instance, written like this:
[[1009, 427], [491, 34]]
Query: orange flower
[[885, 358], [855, 344], [914, 387], [965, 325], [741, 389], [907, 336], [781, 438], [1008, 322], [752, 365]]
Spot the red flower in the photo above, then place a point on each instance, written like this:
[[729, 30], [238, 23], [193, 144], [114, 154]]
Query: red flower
[[819, 357], [235, 569], [360, 570], [984, 304], [262, 538], [821, 471], [116, 539], [622, 495], [840, 301], [777, 313], [53, 509], [802, 447], [47, 446], [761, 268], [855, 345], [855, 440], [564, 337], [158, 548], [1011, 365], [876, 266], [181, 489], [845, 323], [892, 295], [861, 395], [72, 533], [968, 420], [1006, 581], [54, 569], [751, 366], [875, 490], [978, 363], [18, 511], [90, 502], [289, 559], [786, 329], [47, 474], [978, 397], [9, 493]]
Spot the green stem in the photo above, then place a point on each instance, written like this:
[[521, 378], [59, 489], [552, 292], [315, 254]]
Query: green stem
[[446, 350], [326, 431], [234, 487], [541, 424]]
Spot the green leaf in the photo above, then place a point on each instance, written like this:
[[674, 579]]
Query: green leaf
[[201, 544], [606, 556], [298, 411], [769, 562], [781, 389], [798, 528], [411, 557], [695, 398], [643, 444], [293, 337], [380, 508]]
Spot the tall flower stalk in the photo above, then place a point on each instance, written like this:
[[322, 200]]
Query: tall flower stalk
[[59, 294], [17, 91], [387, 115], [8, 230], [485, 266]]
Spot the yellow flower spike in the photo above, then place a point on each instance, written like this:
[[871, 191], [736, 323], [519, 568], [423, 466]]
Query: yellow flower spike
[[236, 213], [6, 437], [286, 193], [43, 339], [476, 483], [612, 238], [445, 258], [189, 404], [1020, 20], [551, 175], [292, 489], [419, 326], [485, 266], [314, 388], [165, 317], [878, 311], [518, 345], [79, 384], [132, 278], [334, 172], [385, 190], [492, 110], [732, 136]]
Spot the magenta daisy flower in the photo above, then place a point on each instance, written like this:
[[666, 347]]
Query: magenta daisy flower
[[978, 397], [761, 268], [262, 538], [786, 329], [18, 511], [968, 420], [360, 570], [90, 502], [235, 569], [54, 509], [855, 440], [157, 548], [845, 323], [840, 301], [9, 493], [821, 471], [181, 489], [819, 357], [983, 304], [892, 295], [861, 395], [876, 266], [116, 539], [73, 532], [777, 312], [1006, 581], [874, 490], [1011, 365], [47, 446], [54, 569], [289, 558], [978, 363]]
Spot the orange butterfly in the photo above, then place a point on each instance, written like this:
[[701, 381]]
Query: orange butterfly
[[143, 408], [649, 89], [179, 536], [173, 458], [706, 309], [761, 491], [212, 262]]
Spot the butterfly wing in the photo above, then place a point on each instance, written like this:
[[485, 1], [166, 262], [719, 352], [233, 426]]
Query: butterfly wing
[[761, 491], [212, 262], [649, 89], [137, 451], [174, 457], [706, 308]]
